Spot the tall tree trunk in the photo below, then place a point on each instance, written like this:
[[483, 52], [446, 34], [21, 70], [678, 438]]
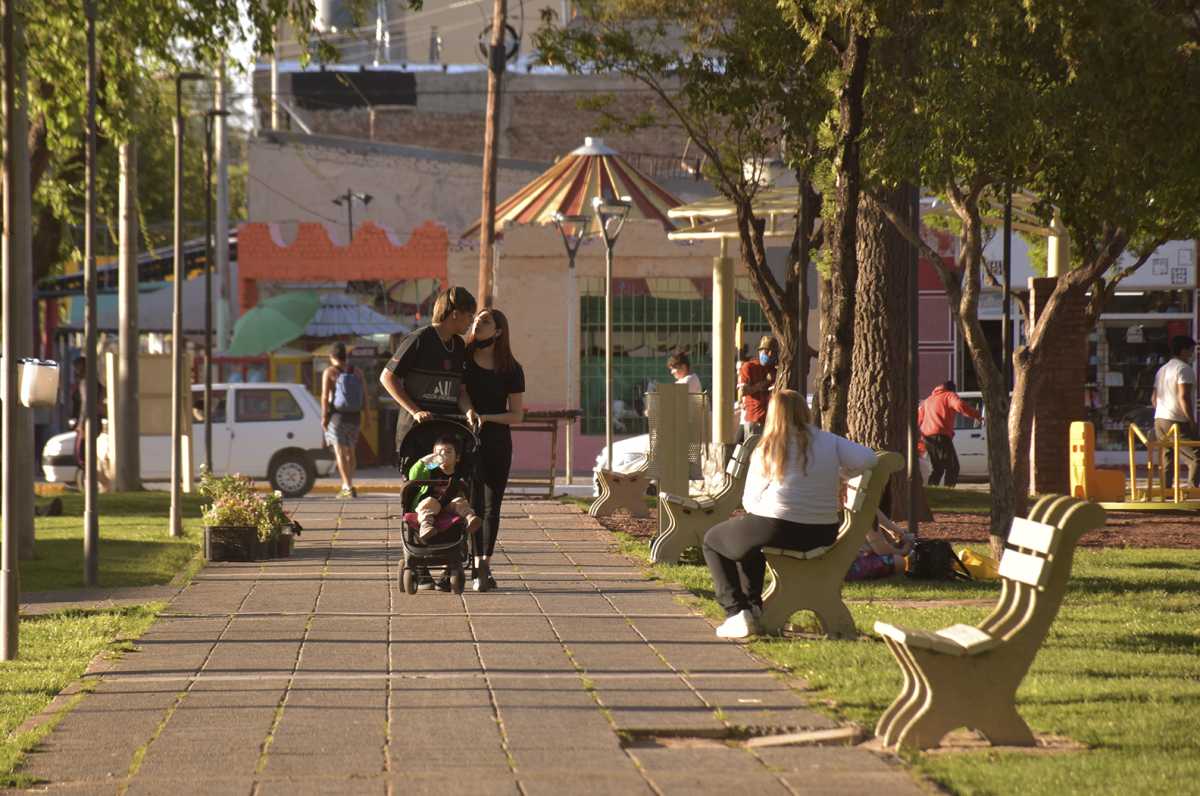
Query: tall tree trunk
[[991, 380], [877, 412], [837, 334]]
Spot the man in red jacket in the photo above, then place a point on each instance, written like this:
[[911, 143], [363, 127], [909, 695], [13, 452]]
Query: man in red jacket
[[935, 417]]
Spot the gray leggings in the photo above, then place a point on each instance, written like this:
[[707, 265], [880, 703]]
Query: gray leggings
[[733, 551]]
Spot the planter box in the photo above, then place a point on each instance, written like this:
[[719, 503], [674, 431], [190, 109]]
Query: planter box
[[232, 543], [284, 543]]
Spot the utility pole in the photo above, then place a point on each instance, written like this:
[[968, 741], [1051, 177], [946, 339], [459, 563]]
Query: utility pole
[[487, 243], [9, 574], [128, 431], [348, 199], [91, 392], [221, 254]]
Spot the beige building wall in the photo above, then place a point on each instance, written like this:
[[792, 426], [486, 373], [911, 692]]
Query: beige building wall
[[295, 177]]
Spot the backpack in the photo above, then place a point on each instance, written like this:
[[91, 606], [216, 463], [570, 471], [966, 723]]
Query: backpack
[[934, 559], [348, 392]]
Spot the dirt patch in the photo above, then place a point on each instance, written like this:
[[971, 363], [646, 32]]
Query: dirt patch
[[1124, 529]]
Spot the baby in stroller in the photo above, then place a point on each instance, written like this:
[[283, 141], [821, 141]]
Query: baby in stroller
[[444, 496]]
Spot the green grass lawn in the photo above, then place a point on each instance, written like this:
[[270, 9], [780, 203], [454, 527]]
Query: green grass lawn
[[961, 501], [54, 652], [135, 548], [1119, 672]]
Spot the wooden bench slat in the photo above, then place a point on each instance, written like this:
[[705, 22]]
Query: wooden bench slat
[[1033, 535], [1024, 568]]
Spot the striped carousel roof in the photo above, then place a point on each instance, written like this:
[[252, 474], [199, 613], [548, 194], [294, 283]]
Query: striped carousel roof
[[569, 185]]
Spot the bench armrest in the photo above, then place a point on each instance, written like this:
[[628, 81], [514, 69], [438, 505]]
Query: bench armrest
[[957, 640], [801, 555], [679, 500]]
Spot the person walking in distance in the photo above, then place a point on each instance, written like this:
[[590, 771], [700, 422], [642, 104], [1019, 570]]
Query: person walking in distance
[[496, 386], [756, 379], [1174, 401], [343, 402], [935, 417]]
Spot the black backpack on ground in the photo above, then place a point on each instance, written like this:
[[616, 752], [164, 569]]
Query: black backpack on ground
[[935, 559]]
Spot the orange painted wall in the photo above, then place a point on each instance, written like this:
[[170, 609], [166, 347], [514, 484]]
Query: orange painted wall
[[313, 256]]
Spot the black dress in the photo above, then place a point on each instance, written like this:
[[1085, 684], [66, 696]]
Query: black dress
[[489, 391]]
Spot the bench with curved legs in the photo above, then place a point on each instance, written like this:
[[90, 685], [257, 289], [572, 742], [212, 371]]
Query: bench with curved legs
[[812, 580], [967, 676], [621, 491], [685, 520]]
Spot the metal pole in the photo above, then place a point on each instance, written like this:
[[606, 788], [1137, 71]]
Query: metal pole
[[221, 227], [209, 118], [9, 573], [91, 413], [572, 345], [608, 352], [914, 466], [350, 214], [1006, 329], [176, 521]]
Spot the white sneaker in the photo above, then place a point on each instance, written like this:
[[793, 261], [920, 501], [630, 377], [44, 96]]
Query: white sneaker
[[740, 625]]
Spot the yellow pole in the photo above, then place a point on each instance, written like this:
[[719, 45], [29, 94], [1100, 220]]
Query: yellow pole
[[1133, 466]]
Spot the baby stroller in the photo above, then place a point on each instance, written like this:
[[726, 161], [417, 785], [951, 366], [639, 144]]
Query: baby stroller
[[450, 547]]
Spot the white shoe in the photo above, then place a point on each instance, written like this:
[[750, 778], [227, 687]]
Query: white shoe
[[740, 625]]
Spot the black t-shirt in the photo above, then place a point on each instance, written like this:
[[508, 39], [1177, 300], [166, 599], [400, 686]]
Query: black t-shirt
[[431, 373], [489, 389]]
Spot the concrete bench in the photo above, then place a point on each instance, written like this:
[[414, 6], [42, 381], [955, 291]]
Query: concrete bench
[[966, 675], [685, 519], [621, 491], [812, 580]]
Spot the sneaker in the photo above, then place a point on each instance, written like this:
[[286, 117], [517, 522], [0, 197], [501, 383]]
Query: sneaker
[[427, 530], [474, 523], [483, 580], [353, 492], [424, 581], [740, 625], [443, 583], [344, 493]]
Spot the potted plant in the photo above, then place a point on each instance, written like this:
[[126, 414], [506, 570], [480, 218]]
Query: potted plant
[[237, 525], [280, 538]]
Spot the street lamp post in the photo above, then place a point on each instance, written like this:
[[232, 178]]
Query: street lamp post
[[176, 522], [348, 199], [8, 383], [611, 214], [573, 228], [209, 118]]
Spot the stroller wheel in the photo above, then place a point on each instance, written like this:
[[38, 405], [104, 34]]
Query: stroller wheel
[[458, 580], [408, 578]]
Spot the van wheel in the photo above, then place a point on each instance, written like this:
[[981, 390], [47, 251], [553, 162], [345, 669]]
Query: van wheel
[[293, 474]]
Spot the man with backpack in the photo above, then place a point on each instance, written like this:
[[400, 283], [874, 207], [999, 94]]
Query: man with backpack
[[342, 405]]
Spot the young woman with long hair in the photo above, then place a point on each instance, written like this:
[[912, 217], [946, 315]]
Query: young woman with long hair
[[791, 500], [495, 383]]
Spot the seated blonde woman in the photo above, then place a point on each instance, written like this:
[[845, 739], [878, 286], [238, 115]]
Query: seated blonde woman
[[791, 500]]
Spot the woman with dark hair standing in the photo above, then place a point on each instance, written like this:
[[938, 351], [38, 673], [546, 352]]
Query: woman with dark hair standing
[[495, 383]]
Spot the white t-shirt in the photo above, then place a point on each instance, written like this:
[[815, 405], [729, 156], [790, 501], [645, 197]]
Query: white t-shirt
[[811, 497], [692, 381], [1167, 405]]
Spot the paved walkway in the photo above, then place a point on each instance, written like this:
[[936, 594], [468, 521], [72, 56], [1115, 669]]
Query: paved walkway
[[316, 674], [34, 603]]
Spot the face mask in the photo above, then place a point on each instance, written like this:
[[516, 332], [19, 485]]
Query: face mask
[[765, 359], [485, 343]]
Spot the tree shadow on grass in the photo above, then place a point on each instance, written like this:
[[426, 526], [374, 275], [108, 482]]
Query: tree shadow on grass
[[1164, 565], [149, 503], [1161, 643]]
